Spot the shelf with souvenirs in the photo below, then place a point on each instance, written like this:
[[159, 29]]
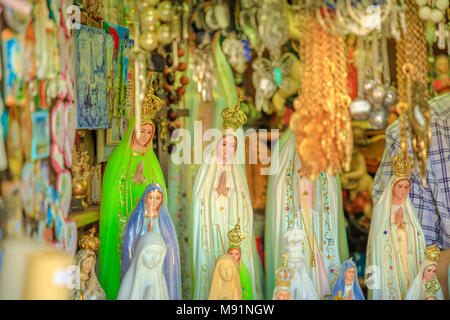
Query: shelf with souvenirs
[[300, 145]]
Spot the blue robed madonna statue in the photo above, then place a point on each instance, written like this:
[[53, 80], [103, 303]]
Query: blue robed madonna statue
[[347, 286], [151, 215]]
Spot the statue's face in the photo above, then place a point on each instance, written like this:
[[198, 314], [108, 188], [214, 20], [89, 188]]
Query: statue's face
[[226, 271], [401, 190], [226, 149], [350, 276], [152, 255], [154, 200], [235, 254], [429, 273], [442, 64], [283, 295], [146, 135], [88, 264]]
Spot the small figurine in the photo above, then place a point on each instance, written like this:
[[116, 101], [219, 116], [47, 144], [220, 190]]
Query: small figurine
[[302, 287], [144, 279], [90, 288], [235, 236], [284, 275], [426, 286], [442, 81], [347, 286], [151, 215], [226, 284]]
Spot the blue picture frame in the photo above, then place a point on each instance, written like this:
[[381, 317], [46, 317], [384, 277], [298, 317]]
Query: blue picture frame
[[40, 144]]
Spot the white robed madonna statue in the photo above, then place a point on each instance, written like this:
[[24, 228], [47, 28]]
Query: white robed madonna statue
[[144, 279], [220, 201], [395, 249], [426, 286], [318, 206], [302, 287]]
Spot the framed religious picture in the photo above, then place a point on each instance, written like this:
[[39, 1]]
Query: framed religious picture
[[12, 68], [40, 143], [3, 158], [121, 44], [90, 78], [115, 134], [64, 188], [13, 146], [103, 151]]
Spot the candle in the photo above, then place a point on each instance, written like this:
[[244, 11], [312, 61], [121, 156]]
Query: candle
[[12, 273], [47, 276]]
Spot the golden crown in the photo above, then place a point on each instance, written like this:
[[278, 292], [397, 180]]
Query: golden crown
[[235, 237], [151, 105], [402, 167], [88, 241], [432, 253], [284, 274], [233, 118]]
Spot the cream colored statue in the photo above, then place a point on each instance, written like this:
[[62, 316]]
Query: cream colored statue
[[226, 284], [90, 288], [144, 279], [426, 286]]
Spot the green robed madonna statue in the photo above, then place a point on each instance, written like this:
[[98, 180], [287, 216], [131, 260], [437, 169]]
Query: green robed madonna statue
[[132, 167]]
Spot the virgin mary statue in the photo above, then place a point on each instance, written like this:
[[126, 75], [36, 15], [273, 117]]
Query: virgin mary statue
[[317, 208], [396, 244], [144, 279], [220, 201], [151, 215], [132, 167]]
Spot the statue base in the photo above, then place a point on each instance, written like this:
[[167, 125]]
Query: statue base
[[78, 204]]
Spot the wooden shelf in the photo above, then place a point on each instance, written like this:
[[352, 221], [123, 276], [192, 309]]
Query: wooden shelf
[[82, 218]]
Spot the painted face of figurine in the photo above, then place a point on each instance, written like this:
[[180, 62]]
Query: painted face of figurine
[[87, 265], [226, 271], [350, 276], [154, 200], [429, 273], [401, 190], [145, 137], [235, 253], [442, 65], [283, 295], [152, 255], [226, 149]]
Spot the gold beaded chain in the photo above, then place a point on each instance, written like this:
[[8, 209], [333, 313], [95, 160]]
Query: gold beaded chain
[[412, 48], [321, 121]]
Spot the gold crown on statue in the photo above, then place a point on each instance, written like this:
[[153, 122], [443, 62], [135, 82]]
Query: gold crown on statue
[[235, 237], [284, 274], [432, 253], [151, 105], [233, 118], [89, 242], [402, 167]]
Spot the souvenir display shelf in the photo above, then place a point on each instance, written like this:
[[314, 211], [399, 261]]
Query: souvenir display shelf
[[83, 218]]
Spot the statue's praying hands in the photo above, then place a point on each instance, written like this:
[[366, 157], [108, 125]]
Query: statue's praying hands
[[399, 219], [221, 188]]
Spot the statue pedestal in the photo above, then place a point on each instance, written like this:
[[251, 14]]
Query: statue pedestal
[[78, 204]]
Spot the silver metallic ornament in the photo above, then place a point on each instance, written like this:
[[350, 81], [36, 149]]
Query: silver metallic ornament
[[379, 117], [391, 96], [359, 109], [378, 94]]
